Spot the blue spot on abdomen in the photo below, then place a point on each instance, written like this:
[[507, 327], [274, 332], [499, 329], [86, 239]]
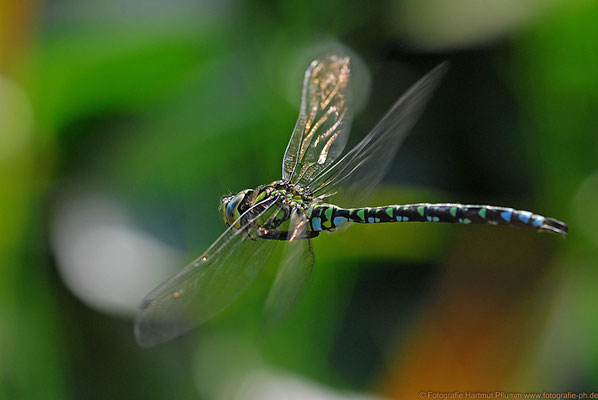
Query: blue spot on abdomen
[[525, 216], [338, 221], [537, 220], [316, 223], [506, 215]]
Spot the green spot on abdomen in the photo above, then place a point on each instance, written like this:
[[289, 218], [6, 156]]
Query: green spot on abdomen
[[482, 212], [389, 212], [454, 212], [420, 210], [361, 214], [328, 213]]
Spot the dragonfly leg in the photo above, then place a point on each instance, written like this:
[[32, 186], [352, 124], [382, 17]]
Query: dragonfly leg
[[284, 235], [252, 237], [283, 215]]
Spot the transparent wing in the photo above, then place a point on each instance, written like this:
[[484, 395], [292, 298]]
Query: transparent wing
[[324, 122], [294, 272], [352, 178], [206, 286]]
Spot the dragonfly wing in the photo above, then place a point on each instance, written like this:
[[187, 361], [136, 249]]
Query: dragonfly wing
[[206, 286], [353, 177], [294, 272], [324, 122]]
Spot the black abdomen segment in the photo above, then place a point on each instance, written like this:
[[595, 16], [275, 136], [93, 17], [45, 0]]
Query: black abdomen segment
[[329, 217]]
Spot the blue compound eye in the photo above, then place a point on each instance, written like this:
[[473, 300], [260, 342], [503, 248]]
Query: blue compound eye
[[231, 212]]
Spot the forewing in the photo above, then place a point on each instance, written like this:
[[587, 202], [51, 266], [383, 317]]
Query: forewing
[[324, 122], [352, 178], [294, 272], [205, 287]]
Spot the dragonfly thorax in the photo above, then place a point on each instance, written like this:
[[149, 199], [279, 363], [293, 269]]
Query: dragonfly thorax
[[287, 196]]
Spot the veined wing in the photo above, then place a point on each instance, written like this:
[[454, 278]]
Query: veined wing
[[206, 286], [294, 272], [324, 122], [353, 177]]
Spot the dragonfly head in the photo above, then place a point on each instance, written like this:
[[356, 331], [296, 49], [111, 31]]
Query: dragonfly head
[[234, 205]]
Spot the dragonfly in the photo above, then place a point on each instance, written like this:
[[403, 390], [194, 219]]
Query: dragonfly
[[307, 201]]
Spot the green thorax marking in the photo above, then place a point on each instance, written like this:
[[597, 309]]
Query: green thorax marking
[[261, 196], [293, 196]]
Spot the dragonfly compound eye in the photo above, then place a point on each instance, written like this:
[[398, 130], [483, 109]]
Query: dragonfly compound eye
[[233, 207]]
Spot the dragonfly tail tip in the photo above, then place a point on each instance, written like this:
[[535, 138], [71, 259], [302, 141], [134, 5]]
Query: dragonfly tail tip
[[555, 226]]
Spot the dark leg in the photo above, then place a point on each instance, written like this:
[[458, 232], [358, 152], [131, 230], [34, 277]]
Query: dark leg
[[284, 235]]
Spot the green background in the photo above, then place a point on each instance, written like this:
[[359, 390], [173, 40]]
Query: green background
[[122, 124]]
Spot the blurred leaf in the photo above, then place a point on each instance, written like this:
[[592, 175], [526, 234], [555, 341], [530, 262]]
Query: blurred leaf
[[82, 72], [555, 78]]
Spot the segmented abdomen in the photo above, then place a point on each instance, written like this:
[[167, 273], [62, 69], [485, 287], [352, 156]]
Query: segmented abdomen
[[329, 217]]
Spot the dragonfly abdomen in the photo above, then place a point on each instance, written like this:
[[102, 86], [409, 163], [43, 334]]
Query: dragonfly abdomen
[[328, 217]]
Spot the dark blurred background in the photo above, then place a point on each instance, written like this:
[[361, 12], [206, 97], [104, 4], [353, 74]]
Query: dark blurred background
[[123, 122]]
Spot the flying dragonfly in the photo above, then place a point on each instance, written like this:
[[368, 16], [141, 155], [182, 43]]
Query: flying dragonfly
[[306, 202]]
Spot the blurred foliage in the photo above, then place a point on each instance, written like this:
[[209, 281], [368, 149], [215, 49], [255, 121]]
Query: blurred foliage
[[162, 107]]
